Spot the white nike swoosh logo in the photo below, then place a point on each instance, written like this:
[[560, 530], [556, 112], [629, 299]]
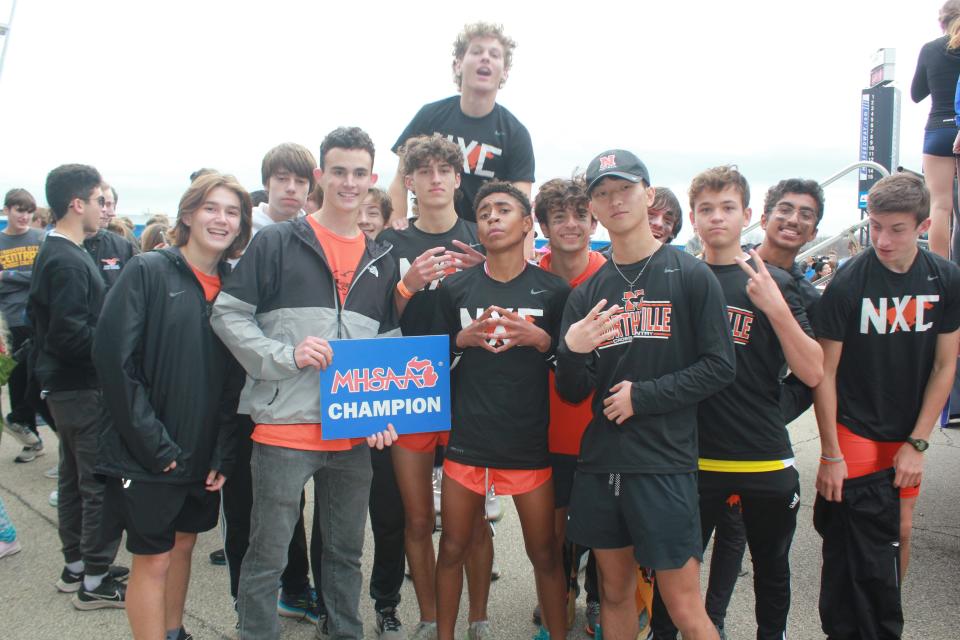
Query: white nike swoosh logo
[[535, 292], [174, 294], [929, 278]]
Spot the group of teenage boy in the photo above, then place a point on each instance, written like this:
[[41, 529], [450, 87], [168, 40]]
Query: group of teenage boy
[[623, 399]]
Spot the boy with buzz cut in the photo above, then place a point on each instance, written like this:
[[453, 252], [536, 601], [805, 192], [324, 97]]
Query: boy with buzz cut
[[299, 285], [434, 245], [651, 357], [495, 145], [172, 395], [888, 324], [745, 449]]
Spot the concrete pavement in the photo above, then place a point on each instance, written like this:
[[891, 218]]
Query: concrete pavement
[[30, 606]]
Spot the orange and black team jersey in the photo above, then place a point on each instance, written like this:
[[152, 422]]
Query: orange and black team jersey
[[568, 420], [500, 401], [742, 427], [889, 323], [420, 316], [672, 341]]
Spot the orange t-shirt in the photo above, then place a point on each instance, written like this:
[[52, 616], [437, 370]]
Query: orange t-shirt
[[568, 421], [210, 284], [343, 256]]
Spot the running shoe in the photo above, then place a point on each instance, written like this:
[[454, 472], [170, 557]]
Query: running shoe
[[30, 453], [480, 630], [388, 624], [218, 557], [53, 473], [424, 631], [184, 635], [541, 634], [10, 548], [70, 582], [537, 617], [299, 605], [22, 433], [593, 617], [109, 595], [54, 498]]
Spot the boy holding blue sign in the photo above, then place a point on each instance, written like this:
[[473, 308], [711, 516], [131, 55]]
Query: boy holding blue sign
[[435, 244], [503, 318], [299, 285]]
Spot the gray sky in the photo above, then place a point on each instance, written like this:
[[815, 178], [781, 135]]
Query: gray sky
[[148, 92]]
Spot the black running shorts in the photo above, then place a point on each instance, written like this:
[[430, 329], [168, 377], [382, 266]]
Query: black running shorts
[[153, 512], [658, 514]]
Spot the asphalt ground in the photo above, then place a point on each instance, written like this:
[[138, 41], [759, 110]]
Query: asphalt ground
[[31, 607]]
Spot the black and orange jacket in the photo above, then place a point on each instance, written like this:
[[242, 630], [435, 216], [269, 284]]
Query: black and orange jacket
[[168, 382]]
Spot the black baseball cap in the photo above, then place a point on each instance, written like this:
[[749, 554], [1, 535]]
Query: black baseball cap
[[619, 164]]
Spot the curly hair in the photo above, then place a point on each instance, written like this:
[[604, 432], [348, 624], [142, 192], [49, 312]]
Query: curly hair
[[481, 30], [418, 152], [560, 193]]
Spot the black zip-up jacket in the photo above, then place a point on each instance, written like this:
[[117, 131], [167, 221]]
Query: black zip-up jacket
[[282, 291], [111, 253], [168, 382], [66, 293]]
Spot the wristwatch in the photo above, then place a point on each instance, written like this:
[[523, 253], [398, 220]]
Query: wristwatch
[[919, 445]]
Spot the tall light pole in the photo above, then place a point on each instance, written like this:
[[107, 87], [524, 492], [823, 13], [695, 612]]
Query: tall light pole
[[5, 32]]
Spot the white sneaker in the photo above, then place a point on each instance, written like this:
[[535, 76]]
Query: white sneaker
[[53, 473], [54, 498], [30, 453], [424, 631], [22, 433]]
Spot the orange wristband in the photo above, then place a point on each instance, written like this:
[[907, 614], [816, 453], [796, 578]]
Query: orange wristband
[[404, 292]]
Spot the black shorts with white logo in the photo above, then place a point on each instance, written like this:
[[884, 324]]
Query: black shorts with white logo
[[658, 514], [153, 512]]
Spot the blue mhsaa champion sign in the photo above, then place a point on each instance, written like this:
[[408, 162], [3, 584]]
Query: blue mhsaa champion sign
[[372, 383]]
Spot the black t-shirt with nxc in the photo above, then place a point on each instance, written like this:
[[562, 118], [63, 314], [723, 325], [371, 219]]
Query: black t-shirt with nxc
[[744, 422], [420, 316], [889, 323], [495, 147], [501, 403]]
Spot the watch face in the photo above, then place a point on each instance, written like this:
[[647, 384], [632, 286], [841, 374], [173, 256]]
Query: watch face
[[919, 445]]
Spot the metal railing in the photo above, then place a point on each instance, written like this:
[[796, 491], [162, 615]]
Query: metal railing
[[863, 164]]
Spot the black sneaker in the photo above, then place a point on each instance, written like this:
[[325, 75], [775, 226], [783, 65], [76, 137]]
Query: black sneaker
[[218, 557], [184, 635], [388, 624], [69, 581], [109, 595]]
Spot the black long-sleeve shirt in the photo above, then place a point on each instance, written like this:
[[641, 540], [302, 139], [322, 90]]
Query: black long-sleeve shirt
[[672, 342], [936, 76], [64, 303]]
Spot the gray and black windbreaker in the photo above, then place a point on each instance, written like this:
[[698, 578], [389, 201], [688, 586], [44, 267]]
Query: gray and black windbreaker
[[283, 291]]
